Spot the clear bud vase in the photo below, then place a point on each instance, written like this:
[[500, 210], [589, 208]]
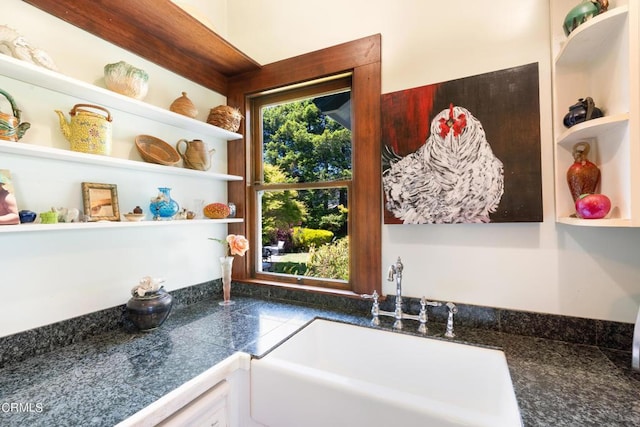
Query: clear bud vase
[[226, 263]]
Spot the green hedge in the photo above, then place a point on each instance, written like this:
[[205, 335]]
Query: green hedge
[[305, 238]]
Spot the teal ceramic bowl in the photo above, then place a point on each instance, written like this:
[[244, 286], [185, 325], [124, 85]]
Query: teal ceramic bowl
[[579, 15]]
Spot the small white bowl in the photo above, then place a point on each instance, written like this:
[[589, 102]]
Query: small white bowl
[[134, 217]]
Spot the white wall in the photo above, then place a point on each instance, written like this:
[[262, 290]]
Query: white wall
[[51, 276], [543, 267]]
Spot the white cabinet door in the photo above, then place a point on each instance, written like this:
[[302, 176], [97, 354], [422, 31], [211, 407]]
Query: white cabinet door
[[209, 409]]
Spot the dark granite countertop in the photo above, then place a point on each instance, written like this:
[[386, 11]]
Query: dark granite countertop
[[103, 380]]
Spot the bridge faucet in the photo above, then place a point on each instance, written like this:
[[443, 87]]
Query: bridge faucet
[[395, 273]]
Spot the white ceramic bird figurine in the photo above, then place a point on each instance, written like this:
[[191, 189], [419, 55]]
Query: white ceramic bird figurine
[[15, 45]]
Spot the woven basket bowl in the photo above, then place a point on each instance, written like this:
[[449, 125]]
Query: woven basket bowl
[[154, 150], [225, 117]]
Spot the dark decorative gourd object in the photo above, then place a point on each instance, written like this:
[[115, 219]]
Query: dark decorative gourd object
[[27, 216], [149, 308], [585, 109]]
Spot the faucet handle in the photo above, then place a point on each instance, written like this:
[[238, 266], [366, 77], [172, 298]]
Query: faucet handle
[[422, 316], [374, 296], [452, 307], [452, 310], [375, 307]]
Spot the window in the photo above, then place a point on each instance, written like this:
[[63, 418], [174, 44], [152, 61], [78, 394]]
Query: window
[[352, 70], [301, 174]]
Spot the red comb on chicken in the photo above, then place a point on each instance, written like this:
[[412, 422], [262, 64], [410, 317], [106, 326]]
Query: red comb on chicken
[[458, 124]]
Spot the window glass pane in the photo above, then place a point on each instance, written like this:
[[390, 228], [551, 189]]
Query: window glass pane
[[307, 139], [304, 232], [306, 158]]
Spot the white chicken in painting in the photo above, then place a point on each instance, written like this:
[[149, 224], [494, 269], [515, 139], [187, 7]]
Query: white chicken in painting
[[453, 178]]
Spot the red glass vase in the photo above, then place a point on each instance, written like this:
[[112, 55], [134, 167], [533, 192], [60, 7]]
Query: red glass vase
[[583, 176]]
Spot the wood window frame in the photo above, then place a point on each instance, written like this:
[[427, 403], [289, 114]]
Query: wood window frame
[[361, 59]]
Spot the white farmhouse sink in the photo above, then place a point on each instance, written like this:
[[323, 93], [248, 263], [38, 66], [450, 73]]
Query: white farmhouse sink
[[334, 374]]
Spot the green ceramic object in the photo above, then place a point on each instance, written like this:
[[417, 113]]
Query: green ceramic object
[[126, 79], [580, 14]]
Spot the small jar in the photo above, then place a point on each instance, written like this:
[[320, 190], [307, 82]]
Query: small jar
[[232, 210]]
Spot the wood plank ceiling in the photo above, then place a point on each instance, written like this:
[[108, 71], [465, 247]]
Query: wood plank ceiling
[[159, 31]]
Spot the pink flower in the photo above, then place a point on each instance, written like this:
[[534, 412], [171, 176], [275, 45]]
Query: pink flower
[[234, 244], [238, 245]]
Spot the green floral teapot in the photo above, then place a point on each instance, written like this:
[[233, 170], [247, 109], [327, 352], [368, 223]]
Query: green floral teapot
[[10, 127]]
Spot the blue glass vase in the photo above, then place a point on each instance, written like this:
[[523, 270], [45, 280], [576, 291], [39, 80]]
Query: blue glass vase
[[163, 206]]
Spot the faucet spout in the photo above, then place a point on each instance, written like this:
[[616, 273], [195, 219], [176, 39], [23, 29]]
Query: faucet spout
[[391, 273], [395, 270]]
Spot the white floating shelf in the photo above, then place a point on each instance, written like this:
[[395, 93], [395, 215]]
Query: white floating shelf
[[22, 228], [605, 222], [52, 80], [593, 128], [32, 150], [589, 40]]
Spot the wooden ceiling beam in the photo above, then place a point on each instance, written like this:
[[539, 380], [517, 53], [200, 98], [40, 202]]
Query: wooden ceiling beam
[[159, 31]]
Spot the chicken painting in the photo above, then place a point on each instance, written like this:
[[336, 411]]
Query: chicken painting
[[453, 178]]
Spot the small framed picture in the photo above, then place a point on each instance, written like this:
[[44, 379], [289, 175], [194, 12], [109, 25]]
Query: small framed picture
[[100, 201], [8, 203]]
